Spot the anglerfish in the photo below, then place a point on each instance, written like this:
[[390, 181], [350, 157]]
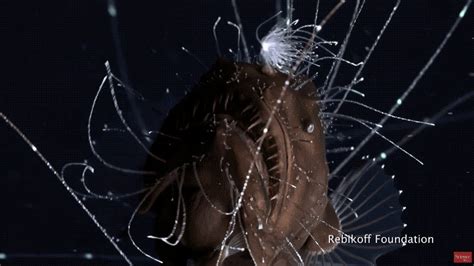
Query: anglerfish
[[244, 179]]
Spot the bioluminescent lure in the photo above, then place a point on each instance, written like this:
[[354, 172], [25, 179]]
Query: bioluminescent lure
[[238, 174]]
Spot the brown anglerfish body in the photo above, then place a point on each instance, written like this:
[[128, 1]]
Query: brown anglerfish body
[[211, 139]]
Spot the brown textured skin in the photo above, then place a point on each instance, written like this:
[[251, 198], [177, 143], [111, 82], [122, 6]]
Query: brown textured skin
[[214, 130]]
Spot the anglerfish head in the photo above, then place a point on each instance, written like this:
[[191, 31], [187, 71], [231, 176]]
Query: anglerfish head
[[246, 148]]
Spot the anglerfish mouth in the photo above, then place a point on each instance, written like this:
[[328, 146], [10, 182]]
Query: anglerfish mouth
[[263, 141], [237, 103]]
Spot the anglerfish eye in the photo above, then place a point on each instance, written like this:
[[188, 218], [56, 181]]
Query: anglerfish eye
[[309, 127]]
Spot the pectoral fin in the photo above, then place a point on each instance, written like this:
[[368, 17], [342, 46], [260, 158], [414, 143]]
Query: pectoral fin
[[329, 227]]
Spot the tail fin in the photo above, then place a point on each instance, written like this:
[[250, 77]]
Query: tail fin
[[366, 202]]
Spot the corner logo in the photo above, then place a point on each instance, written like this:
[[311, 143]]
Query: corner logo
[[462, 257]]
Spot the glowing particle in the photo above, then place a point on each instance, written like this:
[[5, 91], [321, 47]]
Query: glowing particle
[[399, 101], [463, 12], [112, 10], [265, 130], [33, 147], [3, 256], [88, 256], [383, 156]]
